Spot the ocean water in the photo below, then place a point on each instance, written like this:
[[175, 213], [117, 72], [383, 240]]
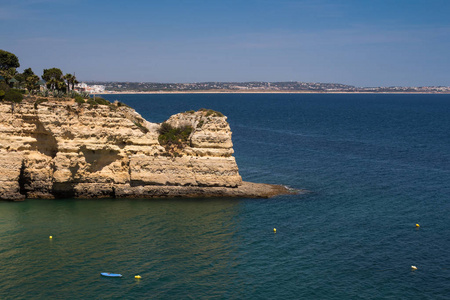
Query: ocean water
[[375, 165]]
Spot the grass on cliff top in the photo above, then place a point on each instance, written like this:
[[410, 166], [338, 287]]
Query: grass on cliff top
[[210, 112], [206, 112], [94, 102], [173, 139]]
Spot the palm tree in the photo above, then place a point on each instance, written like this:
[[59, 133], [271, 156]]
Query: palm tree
[[74, 81], [32, 83], [54, 78], [52, 83], [68, 78], [61, 86]]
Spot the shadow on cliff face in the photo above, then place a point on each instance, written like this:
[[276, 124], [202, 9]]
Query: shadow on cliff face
[[63, 190], [45, 141], [98, 159], [23, 180]]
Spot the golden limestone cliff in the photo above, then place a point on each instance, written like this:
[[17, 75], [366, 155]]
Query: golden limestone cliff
[[61, 149]]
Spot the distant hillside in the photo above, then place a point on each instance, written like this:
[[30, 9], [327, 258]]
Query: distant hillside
[[288, 86]]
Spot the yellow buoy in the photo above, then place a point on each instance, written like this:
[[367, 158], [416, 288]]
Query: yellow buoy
[[50, 237], [417, 225], [275, 230], [138, 277], [413, 268]]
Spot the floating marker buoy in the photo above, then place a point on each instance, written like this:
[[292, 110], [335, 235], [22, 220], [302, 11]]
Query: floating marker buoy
[[138, 277], [50, 237], [413, 268], [275, 230], [417, 225]]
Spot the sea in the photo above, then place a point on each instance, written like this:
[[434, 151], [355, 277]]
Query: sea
[[377, 171]]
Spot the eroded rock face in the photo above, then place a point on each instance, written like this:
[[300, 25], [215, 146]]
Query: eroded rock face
[[63, 149]]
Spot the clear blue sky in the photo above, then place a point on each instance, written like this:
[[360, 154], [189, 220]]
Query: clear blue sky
[[358, 42]]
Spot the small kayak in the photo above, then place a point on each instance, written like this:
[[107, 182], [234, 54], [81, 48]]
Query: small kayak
[[111, 275]]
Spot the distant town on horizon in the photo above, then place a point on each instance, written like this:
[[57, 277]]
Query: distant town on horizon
[[255, 86]]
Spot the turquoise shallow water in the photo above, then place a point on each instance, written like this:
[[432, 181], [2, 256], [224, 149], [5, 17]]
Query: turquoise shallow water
[[375, 165]]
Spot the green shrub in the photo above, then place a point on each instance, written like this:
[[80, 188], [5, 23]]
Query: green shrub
[[98, 101], [79, 99], [13, 95], [171, 137], [102, 101], [165, 128], [92, 103], [2, 94]]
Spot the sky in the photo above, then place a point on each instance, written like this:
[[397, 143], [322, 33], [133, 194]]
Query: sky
[[356, 42]]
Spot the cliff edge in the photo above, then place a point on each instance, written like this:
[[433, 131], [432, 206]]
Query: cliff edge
[[61, 149]]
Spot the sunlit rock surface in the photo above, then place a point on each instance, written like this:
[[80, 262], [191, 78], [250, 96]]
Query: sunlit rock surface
[[60, 149]]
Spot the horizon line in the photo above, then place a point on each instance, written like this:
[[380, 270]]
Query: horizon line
[[256, 81]]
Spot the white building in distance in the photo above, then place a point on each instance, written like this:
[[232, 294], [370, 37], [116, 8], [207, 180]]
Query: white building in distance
[[92, 89]]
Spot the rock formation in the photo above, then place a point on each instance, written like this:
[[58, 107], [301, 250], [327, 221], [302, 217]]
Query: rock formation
[[61, 149]]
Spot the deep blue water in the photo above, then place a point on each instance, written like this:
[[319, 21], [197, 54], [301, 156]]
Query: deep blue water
[[375, 165]]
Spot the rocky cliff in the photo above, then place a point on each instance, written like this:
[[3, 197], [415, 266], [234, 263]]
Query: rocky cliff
[[61, 149]]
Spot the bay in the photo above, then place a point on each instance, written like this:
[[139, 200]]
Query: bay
[[375, 165]]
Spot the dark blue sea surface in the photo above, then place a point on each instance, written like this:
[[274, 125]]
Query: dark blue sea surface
[[375, 165]]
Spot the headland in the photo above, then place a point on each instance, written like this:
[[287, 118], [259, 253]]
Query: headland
[[60, 148]]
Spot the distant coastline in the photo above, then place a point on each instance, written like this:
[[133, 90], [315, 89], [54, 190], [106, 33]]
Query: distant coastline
[[258, 87], [264, 92]]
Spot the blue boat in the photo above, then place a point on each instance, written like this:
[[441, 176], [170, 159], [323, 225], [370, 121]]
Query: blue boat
[[111, 275]]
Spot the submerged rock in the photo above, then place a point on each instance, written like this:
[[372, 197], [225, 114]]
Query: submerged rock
[[61, 149]]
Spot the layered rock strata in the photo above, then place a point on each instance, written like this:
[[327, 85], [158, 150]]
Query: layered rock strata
[[60, 149]]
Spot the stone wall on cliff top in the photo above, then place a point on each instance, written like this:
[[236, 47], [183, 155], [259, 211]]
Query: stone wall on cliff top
[[63, 149]]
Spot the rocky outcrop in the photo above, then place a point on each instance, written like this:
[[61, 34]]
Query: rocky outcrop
[[60, 149]]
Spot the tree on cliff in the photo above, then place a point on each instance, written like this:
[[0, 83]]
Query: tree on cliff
[[32, 83], [8, 75], [22, 77], [8, 64], [27, 73], [54, 78], [8, 60], [71, 81], [13, 95]]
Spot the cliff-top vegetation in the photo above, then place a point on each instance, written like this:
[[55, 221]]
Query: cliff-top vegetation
[[174, 139], [14, 86]]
